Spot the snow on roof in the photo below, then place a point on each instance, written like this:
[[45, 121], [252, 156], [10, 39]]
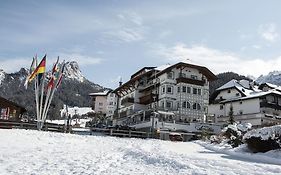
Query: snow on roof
[[236, 84], [163, 67], [254, 95], [104, 93]]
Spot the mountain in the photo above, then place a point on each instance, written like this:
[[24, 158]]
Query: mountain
[[273, 77], [224, 78], [73, 91]]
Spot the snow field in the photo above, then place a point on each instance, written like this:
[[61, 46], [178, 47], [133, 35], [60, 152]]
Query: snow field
[[34, 152]]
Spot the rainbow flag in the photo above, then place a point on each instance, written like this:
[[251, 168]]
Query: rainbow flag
[[40, 69]]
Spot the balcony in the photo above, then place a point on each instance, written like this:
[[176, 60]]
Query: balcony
[[127, 101], [126, 113], [266, 104], [191, 81], [147, 99]]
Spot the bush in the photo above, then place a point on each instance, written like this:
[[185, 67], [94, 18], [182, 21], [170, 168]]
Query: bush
[[263, 139], [234, 133]]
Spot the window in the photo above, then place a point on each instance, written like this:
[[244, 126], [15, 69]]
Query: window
[[184, 89], [163, 90], [179, 89], [170, 75], [240, 112], [196, 106], [194, 77], [199, 91], [194, 90], [100, 104], [221, 107], [237, 94], [229, 91], [182, 75], [170, 89], [111, 103], [187, 105], [184, 104], [188, 90], [169, 104], [240, 102]]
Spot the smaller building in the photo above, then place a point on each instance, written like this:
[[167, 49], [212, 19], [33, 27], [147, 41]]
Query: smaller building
[[258, 105], [104, 103], [10, 110]]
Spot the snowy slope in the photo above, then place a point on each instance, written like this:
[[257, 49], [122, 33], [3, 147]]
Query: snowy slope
[[73, 72], [2, 76], [34, 152], [273, 77]]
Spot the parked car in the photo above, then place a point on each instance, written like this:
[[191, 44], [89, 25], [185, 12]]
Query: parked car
[[175, 137]]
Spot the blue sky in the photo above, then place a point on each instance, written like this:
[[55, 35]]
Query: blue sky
[[112, 39]]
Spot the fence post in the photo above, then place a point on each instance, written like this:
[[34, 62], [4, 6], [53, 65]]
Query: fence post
[[130, 134], [111, 132]]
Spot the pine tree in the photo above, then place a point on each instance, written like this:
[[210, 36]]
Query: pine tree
[[231, 118]]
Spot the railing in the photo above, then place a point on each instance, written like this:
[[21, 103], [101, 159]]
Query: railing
[[190, 81], [5, 124], [269, 105], [122, 133], [127, 101], [147, 99]]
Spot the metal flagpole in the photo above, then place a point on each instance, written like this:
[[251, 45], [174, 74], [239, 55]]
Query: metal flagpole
[[45, 105], [36, 90], [53, 90], [41, 101]]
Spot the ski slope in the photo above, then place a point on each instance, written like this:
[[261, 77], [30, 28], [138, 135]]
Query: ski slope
[[46, 153]]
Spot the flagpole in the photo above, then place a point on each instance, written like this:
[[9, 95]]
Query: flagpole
[[53, 90], [46, 103], [41, 100], [37, 97]]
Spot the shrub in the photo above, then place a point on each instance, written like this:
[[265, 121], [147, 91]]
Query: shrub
[[263, 139]]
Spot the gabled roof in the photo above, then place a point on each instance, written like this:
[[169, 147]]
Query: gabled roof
[[104, 93], [205, 71]]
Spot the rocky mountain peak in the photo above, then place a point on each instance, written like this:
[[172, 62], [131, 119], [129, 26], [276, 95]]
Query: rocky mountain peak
[[73, 72], [273, 77]]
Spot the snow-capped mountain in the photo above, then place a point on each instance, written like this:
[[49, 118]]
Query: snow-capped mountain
[[2, 76], [273, 77], [73, 72], [74, 89]]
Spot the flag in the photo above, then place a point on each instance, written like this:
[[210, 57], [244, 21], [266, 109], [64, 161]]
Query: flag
[[31, 69], [55, 69], [61, 74], [40, 70]]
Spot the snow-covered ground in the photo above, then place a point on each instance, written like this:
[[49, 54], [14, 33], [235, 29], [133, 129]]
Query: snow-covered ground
[[34, 152]]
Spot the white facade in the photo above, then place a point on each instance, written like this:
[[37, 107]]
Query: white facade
[[104, 103], [182, 89], [250, 104]]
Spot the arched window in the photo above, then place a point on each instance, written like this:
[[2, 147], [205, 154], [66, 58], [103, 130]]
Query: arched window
[[196, 106], [184, 104], [187, 105]]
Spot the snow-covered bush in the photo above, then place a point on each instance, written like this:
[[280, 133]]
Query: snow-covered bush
[[264, 139], [234, 133]]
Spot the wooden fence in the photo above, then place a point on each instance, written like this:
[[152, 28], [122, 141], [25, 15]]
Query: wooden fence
[[122, 133], [5, 124]]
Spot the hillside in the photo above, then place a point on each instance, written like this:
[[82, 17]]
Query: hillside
[[224, 78], [74, 90]]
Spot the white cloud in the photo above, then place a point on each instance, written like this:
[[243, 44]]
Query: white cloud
[[269, 32], [82, 60], [218, 61], [14, 65]]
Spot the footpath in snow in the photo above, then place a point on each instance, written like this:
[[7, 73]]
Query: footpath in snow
[[34, 152]]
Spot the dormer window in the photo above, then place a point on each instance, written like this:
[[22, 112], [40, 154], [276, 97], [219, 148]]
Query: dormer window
[[194, 77], [170, 75]]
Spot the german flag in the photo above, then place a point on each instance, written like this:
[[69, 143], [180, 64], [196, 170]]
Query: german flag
[[40, 69]]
